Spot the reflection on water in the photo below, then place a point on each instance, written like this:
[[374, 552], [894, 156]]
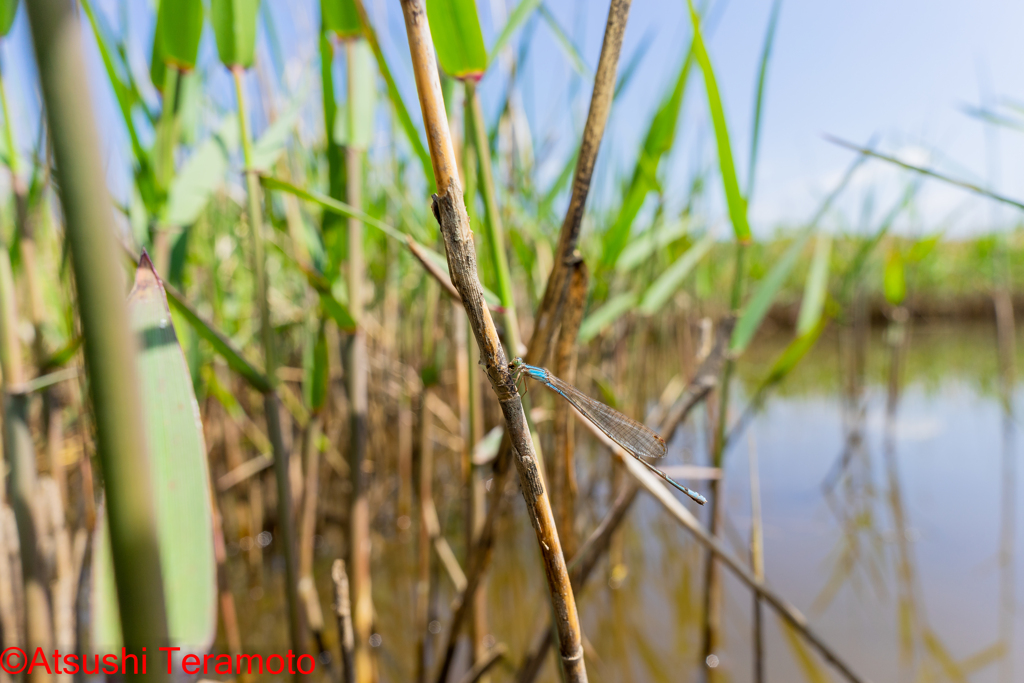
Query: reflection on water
[[893, 532]]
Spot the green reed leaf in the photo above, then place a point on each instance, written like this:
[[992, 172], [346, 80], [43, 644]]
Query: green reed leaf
[[816, 286], [669, 282], [179, 27], [455, 28], [234, 26], [763, 297], [341, 18], [613, 309], [180, 480], [737, 204]]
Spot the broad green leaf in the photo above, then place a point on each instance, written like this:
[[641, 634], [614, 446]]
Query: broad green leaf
[[355, 121], [519, 15], [180, 481], [642, 246], [669, 282], [761, 300], [657, 144], [455, 28], [204, 171], [179, 27], [613, 309], [157, 65], [894, 282], [8, 10], [816, 285], [737, 204], [341, 18], [234, 25]]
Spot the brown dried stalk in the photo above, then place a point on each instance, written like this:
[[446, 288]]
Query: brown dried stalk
[[554, 295], [450, 211], [563, 464], [343, 612], [548, 316]]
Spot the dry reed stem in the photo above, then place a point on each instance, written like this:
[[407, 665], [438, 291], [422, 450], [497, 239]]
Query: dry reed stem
[[450, 211], [424, 471], [548, 312], [228, 614], [343, 613], [357, 372], [563, 463], [756, 559]]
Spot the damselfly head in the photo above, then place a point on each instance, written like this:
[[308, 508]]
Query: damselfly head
[[515, 369]]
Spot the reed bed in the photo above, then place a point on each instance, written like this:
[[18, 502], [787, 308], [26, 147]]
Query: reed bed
[[343, 387]]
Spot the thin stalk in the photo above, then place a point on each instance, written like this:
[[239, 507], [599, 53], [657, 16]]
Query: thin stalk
[[477, 492], [756, 560], [450, 211], [23, 482], [548, 315], [356, 372], [712, 586], [271, 402], [424, 558], [564, 480], [166, 135], [228, 613], [343, 613], [471, 417], [24, 494], [493, 226], [120, 438], [307, 524]]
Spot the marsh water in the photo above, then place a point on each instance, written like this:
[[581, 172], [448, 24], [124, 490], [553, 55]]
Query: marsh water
[[896, 532]]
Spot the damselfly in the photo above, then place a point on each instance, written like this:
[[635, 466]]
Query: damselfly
[[633, 437]]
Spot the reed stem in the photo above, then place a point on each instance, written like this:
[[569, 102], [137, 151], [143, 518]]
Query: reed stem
[[57, 39], [271, 402], [356, 372], [450, 211], [548, 314]]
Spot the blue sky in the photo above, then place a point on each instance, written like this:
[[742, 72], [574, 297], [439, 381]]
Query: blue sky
[[902, 70]]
